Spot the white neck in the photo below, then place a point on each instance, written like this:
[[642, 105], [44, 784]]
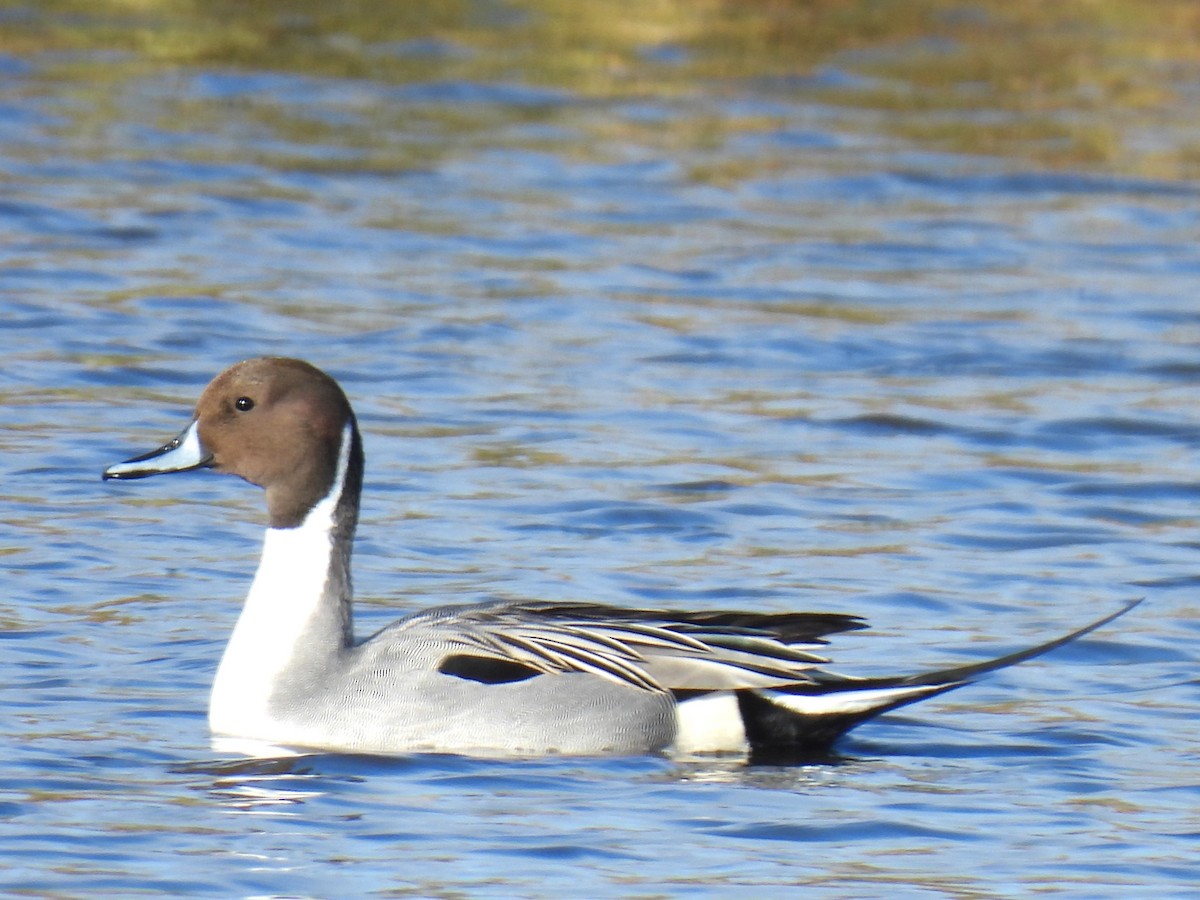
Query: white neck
[[285, 614]]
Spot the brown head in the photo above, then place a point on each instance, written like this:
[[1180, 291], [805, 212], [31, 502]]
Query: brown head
[[276, 422]]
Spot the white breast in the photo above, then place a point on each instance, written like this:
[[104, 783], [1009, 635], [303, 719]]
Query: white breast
[[287, 592]]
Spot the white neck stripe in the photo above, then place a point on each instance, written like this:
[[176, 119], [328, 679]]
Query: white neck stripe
[[323, 511]]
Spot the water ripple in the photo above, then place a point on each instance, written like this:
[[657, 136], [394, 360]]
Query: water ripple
[[710, 342]]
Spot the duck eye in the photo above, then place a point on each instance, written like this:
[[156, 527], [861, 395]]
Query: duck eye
[[244, 404]]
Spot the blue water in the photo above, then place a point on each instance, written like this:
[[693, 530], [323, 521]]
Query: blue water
[[955, 395]]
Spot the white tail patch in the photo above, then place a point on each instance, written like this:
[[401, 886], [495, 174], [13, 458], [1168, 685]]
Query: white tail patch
[[710, 723], [851, 700]]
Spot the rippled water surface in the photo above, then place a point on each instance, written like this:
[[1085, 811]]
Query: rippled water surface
[[728, 343]]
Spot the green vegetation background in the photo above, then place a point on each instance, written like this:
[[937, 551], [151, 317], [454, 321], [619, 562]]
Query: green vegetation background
[[1091, 85]]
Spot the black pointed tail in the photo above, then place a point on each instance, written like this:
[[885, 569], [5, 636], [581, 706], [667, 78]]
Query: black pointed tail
[[806, 719]]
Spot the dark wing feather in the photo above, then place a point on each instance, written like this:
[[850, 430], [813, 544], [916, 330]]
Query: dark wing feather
[[648, 649]]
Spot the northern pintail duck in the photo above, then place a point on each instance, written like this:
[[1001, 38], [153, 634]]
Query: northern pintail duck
[[505, 677]]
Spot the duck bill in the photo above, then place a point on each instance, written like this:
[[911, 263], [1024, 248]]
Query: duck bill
[[179, 455]]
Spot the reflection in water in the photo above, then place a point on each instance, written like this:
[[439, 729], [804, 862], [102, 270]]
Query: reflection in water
[[282, 785], [790, 774], [253, 749], [259, 785]]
